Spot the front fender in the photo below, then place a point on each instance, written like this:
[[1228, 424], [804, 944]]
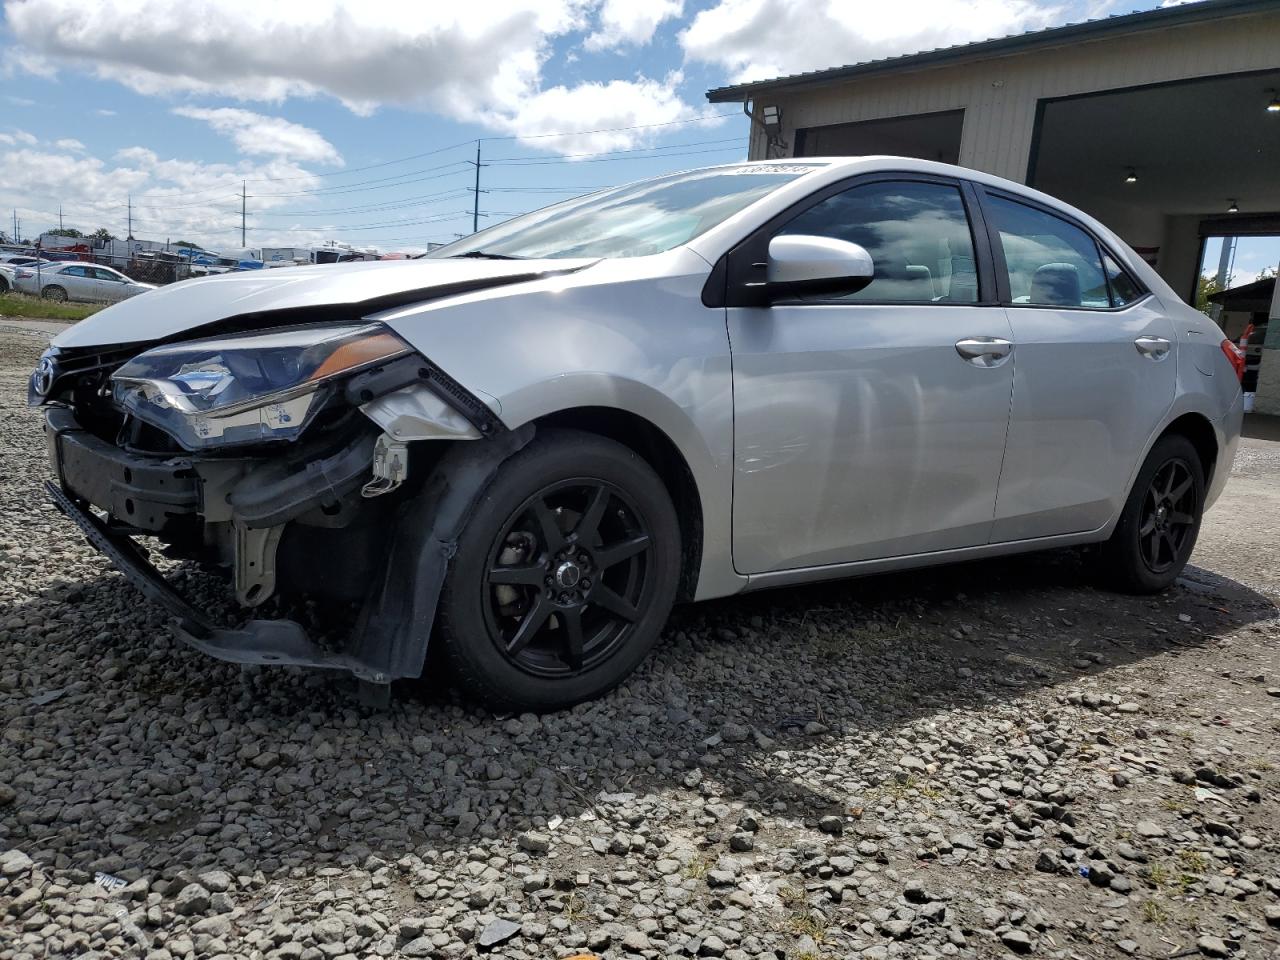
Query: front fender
[[624, 336]]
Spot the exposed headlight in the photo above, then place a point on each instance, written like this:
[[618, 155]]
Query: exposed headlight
[[247, 389]]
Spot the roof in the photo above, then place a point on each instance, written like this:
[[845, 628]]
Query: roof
[[1247, 296], [1117, 25]]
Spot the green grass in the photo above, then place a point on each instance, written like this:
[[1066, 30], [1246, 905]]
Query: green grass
[[1153, 912], [33, 308], [1193, 860]]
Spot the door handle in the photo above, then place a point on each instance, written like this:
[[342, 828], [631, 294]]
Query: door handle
[[1153, 348], [984, 351]]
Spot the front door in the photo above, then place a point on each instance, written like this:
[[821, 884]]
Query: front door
[[872, 425], [1096, 374]]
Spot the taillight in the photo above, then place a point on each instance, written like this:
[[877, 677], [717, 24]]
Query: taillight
[[1235, 356], [24, 274]]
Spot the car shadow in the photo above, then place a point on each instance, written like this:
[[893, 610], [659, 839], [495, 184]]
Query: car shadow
[[179, 758]]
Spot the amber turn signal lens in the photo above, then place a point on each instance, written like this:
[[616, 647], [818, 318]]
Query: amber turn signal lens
[[360, 352]]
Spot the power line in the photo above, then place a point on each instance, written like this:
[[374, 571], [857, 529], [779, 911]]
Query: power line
[[464, 143], [513, 162], [637, 126], [569, 157]]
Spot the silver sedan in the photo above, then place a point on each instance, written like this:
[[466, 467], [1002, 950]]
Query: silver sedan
[[81, 282], [528, 445]]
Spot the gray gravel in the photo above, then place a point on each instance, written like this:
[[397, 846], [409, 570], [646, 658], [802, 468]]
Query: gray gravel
[[972, 762]]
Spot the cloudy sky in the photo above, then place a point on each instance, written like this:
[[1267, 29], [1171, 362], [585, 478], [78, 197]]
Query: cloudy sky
[[355, 121]]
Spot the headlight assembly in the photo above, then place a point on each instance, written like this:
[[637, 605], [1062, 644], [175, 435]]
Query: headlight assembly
[[247, 389]]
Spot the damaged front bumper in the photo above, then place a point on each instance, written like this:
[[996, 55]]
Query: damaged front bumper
[[249, 504], [278, 642]]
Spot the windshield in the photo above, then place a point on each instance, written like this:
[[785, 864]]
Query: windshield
[[632, 221]]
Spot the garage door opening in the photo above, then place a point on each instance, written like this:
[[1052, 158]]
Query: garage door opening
[[1236, 286], [925, 136]]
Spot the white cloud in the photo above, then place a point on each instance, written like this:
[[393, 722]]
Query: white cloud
[[103, 112], [18, 136], [478, 62], [19, 101], [607, 113], [69, 143], [257, 135], [631, 22], [760, 39]]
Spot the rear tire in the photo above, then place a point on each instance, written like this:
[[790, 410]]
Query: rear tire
[[52, 292], [564, 574], [4, 285], [1160, 521]]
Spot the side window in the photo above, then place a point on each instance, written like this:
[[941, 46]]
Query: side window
[[1051, 262], [101, 274], [74, 271], [1123, 288], [917, 234]]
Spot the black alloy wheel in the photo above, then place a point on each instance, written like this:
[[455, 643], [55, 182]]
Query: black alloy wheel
[[1159, 522], [1168, 516], [566, 577], [563, 575]]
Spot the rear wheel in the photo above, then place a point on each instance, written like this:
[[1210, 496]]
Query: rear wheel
[[564, 574], [52, 292], [1160, 521], [4, 284]]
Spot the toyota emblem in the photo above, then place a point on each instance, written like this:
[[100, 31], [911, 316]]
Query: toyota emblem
[[42, 377]]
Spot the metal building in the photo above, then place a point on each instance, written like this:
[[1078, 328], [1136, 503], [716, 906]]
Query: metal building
[[1164, 124]]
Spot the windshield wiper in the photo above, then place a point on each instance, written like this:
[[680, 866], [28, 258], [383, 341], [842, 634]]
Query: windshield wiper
[[485, 255]]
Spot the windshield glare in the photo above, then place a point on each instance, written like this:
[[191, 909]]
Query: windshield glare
[[632, 221]]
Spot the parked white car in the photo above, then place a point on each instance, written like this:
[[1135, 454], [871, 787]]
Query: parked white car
[[10, 266], [85, 282]]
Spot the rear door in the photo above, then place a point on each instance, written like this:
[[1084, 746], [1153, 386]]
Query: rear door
[[1095, 376], [873, 424]]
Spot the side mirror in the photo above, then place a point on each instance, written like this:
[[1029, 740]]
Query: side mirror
[[805, 266]]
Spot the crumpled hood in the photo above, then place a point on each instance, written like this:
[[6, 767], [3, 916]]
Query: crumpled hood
[[367, 287]]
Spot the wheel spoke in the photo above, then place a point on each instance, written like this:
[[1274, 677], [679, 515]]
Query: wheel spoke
[[1148, 526], [529, 626], [1180, 491], [1152, 547], [623, 550], [548, 526], [571, 624], [607, 599], [588, 528], [521, 575], [1181, 519], [1169, 479], [1167, 537]]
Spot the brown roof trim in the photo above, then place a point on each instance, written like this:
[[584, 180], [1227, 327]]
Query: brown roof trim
[[1181, 15]]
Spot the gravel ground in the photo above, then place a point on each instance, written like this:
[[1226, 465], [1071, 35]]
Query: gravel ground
[[968, 762]]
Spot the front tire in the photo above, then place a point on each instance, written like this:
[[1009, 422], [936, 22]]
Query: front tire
[[1160, 521], [54, 293], [564, 574]]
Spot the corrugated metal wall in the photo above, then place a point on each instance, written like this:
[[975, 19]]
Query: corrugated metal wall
[[1000, 96]]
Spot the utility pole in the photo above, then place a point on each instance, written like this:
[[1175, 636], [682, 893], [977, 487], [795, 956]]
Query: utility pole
[[16, 235], [475, 207], [60, 228], [243, 186], [129, 233], [1225, 260]]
